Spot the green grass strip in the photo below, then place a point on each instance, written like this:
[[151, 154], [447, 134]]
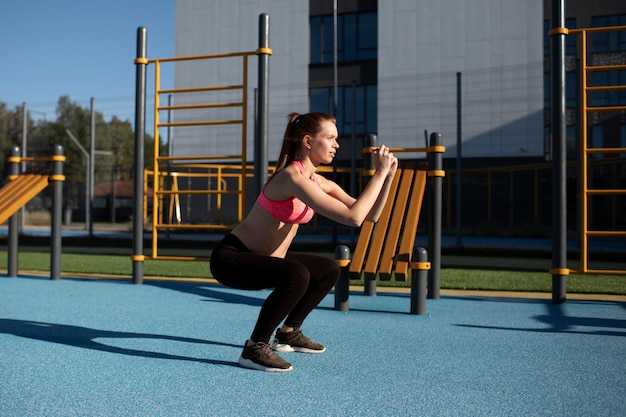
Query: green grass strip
[[451, 278]]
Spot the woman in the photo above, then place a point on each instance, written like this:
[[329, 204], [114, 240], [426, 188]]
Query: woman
[[255, 255]]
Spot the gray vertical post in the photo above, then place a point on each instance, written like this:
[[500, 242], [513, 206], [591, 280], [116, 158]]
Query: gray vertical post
[[14, 171], [140, 130], [170, 147], [369, 285], [559, 189], [24, 144], [459, 158], [92, 163], [342, 287], [353, 157], [262, 134], [56, 184], [419, 277], [435, 167]]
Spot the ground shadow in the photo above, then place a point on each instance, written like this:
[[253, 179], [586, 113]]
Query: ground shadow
[[85, 337], [557, 321], [210, 291]]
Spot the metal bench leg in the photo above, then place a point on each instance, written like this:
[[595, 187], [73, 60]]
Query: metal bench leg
[[342, 287], [418, 280]]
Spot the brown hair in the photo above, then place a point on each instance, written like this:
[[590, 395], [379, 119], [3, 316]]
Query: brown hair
[[298, 126]]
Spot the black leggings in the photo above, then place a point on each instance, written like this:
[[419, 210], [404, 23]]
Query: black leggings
[[300, 282]]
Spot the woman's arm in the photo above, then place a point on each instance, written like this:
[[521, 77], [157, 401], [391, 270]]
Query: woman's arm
[[332, 202]]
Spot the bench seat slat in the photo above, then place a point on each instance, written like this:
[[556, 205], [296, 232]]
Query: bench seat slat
[[410, 227], [399, 210], [380, 230]]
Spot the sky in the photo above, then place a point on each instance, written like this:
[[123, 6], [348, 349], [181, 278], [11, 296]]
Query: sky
[[80, 48]]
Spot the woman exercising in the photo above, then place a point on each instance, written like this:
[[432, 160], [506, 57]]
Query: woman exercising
[[255, 255]]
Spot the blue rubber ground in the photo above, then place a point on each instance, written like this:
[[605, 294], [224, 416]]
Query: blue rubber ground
[[110, 348]]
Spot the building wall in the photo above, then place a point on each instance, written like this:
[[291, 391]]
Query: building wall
[[496, 45], [212, 26]]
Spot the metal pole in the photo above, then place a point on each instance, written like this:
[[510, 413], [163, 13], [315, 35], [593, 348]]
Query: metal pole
[[435, 168], [559, 158], [14, 171], [418, 281], [335, 61], [369, 285], [92, 163], [22, 217], [353, 182], [262, 136], [170, 147], [56, 184], [353, 157], [459, 157], [342, 288], [141, 64]]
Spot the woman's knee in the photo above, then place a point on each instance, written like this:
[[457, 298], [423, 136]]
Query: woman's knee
[[297, 278]]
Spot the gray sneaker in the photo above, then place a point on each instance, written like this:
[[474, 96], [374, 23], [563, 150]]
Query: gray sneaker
[[260, 356], [295, 341]]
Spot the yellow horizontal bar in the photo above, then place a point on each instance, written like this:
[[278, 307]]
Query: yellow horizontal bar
[[606, 150], [605, 67], [406, 150], [178, 258], [138, 258], [207, 123], [605, 233], [200, 106], [56, 177], [605, 108], [606, 271], [342, 262], [195, 157], [559, 271], [436, 173], [597, 88], [201, 89], [197, 192], [193, 226], [598, 29], [54, 158], [606, 191], [198, 57]]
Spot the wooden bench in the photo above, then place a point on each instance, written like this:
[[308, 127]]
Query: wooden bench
[[386, 249]]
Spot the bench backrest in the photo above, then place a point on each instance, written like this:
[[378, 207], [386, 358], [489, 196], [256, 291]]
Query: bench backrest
[[386, 246]]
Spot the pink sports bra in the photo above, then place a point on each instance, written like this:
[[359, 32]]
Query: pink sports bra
[[292, 210]]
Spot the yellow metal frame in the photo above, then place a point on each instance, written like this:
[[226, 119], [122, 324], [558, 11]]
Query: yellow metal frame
[[585, 191], [158, 176]]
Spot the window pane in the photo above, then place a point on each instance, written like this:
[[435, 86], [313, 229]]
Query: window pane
[[320, 99], [371, 109], [348, 38], [328, 39], [316, 40]]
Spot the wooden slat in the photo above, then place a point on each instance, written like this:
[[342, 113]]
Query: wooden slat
[[360, 251], [380, 231], [410, 226], [9, 191], [397, 218], [20, 191]]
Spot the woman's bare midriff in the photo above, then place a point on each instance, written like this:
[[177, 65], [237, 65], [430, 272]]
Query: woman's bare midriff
[[264, 234]]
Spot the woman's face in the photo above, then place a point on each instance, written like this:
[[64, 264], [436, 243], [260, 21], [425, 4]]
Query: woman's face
[[323, 146]]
